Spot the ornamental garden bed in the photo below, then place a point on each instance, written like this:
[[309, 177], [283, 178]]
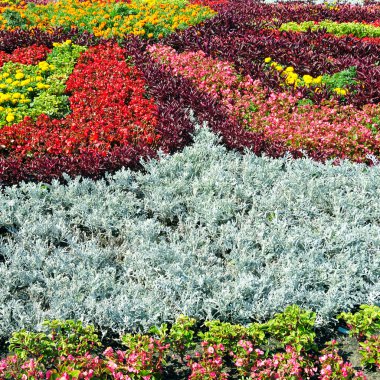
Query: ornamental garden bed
[[214, 159]]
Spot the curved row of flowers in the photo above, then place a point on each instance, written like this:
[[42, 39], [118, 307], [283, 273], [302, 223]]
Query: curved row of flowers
[[68, 350]]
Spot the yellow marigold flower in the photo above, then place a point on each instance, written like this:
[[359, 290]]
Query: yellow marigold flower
[[289, 69], [19, 76], [340, 91], [291, 78], [267, 60], [10, 117], [307, 79]]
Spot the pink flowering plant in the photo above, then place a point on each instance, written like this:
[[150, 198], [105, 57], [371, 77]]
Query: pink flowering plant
[[144, 356], [325, 130], [288, 365], [333, 367], [180, 336], [208, 364], [370, 351], [58, 338], [246, 356], [282, 348], [229, 334]]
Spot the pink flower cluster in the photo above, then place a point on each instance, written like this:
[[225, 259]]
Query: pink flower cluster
[[370, 351], [328, 130], [287, 365], [245, 356], [208, 364], [333, 366], [119, 365]]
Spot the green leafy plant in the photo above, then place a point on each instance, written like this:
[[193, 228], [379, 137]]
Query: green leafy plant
[[341, 79], [13, 18], [363, 323], [223, 333], [181, 336], [59, 338], [294, 327]]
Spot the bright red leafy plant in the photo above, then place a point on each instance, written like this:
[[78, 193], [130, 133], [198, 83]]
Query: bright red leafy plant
[[108, 109]]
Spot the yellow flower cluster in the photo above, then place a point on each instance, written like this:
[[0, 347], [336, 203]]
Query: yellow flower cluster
[[62, 44], [340, 91], [18, 84], [150, 18], [292, 78]]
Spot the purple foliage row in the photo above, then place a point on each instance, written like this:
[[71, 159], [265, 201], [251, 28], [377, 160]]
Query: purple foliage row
[[10, 40], [247, 43]]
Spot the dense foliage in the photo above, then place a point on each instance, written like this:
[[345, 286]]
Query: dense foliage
[[137, 249], [152, 18]]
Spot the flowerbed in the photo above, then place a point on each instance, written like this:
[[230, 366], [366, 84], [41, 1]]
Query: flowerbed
[[245, 77], [282, 348], [152, 18], [90, 87]]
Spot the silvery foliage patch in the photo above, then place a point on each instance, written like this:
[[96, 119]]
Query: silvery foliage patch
[[205, 232]]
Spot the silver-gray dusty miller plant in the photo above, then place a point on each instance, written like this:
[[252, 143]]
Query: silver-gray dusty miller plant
[[206, 232]]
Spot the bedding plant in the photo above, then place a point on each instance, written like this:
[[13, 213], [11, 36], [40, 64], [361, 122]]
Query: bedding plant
[[69, 350], [113, 91]]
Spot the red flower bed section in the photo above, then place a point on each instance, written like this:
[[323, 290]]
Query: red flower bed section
[[109, 109], [29, 55]]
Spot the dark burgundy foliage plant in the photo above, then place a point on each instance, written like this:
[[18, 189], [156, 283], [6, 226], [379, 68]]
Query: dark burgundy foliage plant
[[314, 53], [10, 40]]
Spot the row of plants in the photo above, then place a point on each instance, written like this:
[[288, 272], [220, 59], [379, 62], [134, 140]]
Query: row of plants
[[313, 53], [282, 348], [330, 129], [150, 18], [339, 29]]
